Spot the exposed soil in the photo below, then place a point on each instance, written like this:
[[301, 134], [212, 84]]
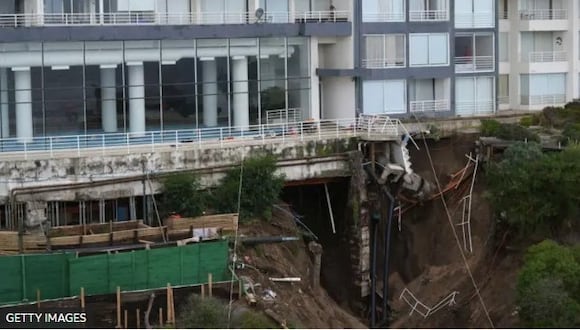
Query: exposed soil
[[297, 303], [426, 258]]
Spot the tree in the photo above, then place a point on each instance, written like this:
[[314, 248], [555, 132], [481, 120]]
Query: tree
[[534, 190], [548, 287], [182, 194], [206, 313], [256, 320], [261, 188]]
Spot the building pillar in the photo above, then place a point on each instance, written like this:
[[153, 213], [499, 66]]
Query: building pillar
[[23, 99], [314, 82], [241, 92], [210, 91], [4, 114], [108, 100], [136, 98]]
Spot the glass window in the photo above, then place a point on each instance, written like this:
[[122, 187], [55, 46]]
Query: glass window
[[385, 51], [429, 49], [384, 96]]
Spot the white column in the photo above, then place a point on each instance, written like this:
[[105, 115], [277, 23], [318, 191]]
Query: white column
[[23, 98], [136, 97], [314, 81], [572, 39], [5, 129], [108, 100], [241, 92], [210, 89]]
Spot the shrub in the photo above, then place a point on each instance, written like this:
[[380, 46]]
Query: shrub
[[548, 287], [513, 132], [489, 127], [182, 194], [571, 133], [261, 188], [535, 190], [207, 313], [256, 320], [528, 121]]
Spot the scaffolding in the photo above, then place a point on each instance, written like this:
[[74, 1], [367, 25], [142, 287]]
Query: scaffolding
[[422, 309], [466, 203]]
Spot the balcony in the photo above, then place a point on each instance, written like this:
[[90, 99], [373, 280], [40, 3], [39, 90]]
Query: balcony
[[153, 18], [546, 57], [385, 63], [543, 14], [429, 106], [471, 20], [480, 107], [428, 15], [384, 17], [548, 99], [474, 64], [503, 99]]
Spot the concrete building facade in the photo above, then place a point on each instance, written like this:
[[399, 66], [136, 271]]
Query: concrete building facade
[[79, 67], [539, 53]]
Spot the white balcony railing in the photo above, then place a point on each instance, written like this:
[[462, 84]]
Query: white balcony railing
[[152, 18], [384, 63], [206, 138], [503, 99], [543, 14], [503, 14], [475, 107], [548, 99], [468, 20], [292, 115], [429, 15], [429, 105], [549, 56], [384, 17], [474, 63]]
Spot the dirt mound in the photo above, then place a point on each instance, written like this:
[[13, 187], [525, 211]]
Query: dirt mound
[[427, 259], [297, 303]]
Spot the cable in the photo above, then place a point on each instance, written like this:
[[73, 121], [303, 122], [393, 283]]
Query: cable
[[453, 227], [235, 244]]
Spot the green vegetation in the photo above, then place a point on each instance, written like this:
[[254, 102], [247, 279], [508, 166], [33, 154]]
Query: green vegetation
[[206, 313], [534, 190], [256, 320], [512, 132], [182, 194], [261, 188], [548, 289]]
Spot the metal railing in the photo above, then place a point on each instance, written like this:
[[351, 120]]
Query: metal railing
[[209, 138], [543, 14], [384, 17], [548, 56], [429, 15], [429, 105], [474, 63], [548, 99], [503, 99], [153, 18], [292, 115], [383, 63], [504, 14], [475, 107], [474, 20]]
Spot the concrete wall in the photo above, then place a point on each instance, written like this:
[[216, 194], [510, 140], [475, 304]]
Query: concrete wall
[[100, 174], [338, 95]]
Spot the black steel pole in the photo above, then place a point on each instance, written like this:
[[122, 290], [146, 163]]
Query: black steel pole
[[386, 260], [374, 230]]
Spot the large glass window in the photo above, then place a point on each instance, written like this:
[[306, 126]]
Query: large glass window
[[429, 49], [544, 89], [474, 95], [384, 96], [383, 10], [385, 51], [148, 85]]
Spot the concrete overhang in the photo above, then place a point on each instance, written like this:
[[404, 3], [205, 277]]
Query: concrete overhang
[[175, 32], [338, 73]]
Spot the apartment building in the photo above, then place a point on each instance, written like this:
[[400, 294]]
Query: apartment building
[[538, 53], [81, 67]]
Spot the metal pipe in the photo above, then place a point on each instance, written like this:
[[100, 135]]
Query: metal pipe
[[374, 271], [268, 239], [386, 260]]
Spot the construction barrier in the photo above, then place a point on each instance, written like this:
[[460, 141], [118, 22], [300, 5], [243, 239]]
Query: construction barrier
[[24, 277]]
